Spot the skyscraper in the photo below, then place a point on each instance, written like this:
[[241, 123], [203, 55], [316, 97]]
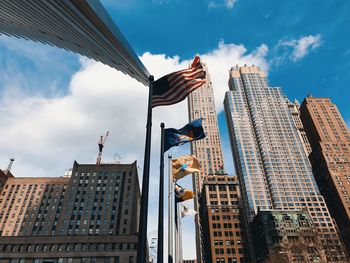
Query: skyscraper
[[91, 216], [201, 104], [272, 166], [330, 158]]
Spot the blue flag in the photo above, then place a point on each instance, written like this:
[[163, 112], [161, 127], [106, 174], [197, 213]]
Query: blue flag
[[191, 132]]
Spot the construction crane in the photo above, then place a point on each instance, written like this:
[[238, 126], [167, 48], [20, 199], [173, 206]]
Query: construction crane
[[100, 147]]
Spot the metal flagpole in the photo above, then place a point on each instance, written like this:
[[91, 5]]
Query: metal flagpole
[[142, 238], [180, 232], [161, 199], [176, 233], [170, 213]]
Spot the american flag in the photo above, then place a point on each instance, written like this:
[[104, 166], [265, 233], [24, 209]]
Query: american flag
[[176, 86]]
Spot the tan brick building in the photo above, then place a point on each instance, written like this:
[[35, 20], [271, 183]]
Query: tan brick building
[[222, 222], [330, 158]]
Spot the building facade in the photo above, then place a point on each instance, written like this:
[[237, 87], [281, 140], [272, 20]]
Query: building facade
[[4, 175], [222, 222], [272, 166], [201, 104], [294, 111], [283, 236], [330, 158], [91, 216]]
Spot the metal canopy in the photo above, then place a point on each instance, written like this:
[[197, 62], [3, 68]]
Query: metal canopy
[[81, 26]]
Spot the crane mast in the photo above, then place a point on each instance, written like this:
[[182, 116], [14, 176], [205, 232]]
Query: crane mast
[[101, 143]]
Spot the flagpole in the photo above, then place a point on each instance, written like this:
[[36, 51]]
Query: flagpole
[[142, 238], [180, 233], [161, 199], [176, 234], [170, 213]]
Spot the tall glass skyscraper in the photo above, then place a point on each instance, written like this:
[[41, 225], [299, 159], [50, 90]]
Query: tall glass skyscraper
[[273, 169]]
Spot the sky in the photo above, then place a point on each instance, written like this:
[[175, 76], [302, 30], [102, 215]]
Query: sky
[[55, 104]]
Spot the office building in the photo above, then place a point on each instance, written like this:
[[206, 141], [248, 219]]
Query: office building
[[91, 216], [270, 161], [221, 218], [330, 158], [201, 104]]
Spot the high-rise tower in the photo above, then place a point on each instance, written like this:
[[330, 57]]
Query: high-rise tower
[[201, 104], [272, 166], [216, 199], [330, 157]]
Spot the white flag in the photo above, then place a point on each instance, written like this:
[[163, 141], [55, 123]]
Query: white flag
[[186, 211]]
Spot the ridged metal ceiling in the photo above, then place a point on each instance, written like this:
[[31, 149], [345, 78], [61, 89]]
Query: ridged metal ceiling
[[81, 26]]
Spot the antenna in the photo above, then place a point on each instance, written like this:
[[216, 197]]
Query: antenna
[[100, 147], [10, 165]]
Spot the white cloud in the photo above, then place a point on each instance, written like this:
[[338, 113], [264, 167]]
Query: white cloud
[[46, 134], [302, 46], [213, 5], [221, 59], [230, 3], [160, 2]]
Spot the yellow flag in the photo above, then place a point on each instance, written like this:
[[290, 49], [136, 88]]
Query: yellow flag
[[185, 165]]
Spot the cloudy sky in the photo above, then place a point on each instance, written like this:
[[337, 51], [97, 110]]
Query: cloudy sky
[[54, 104]]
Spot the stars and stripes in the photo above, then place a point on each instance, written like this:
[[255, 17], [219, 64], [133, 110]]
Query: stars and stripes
[[176, 86]]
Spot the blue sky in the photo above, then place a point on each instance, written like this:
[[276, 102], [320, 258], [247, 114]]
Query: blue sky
[[176, 27], [54, 104]]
